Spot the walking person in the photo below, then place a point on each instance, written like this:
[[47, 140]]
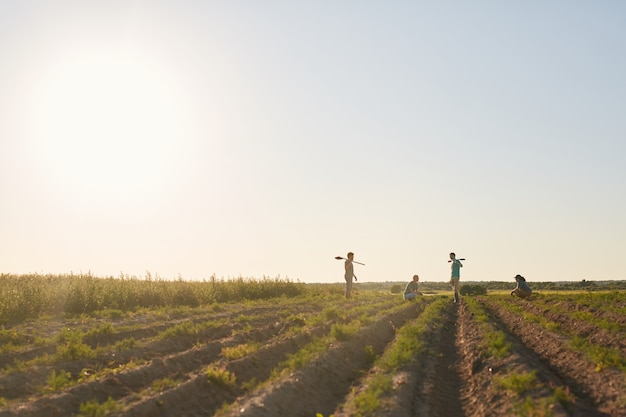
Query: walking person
[[522, 290], [455, 275], [349, 274], [410, 292]]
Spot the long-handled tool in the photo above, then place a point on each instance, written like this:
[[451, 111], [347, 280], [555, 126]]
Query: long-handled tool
[[458, 259], [339, 257]]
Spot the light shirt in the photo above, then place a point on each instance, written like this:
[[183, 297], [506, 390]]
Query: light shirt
[[349, 269]]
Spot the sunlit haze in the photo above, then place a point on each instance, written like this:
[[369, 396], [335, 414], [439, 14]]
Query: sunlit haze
[[264, 138]]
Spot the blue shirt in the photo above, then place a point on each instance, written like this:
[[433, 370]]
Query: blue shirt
[[456, 268], [523, 286]]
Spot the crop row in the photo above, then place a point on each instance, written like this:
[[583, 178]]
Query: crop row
[[171, 356], [589, 378], [605, 346]]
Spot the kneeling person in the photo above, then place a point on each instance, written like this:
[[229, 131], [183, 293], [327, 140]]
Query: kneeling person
[[410, 292], [522, 290]]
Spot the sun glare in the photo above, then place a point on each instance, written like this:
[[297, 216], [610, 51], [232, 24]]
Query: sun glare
[[106, 123]]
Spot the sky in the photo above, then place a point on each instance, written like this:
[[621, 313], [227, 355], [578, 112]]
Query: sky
[[260, 139]]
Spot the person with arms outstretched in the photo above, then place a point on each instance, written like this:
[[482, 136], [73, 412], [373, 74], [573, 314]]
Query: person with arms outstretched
[[349, 274], [455, 275]]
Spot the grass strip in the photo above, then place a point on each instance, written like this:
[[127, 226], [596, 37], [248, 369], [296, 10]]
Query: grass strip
[[408, 345]]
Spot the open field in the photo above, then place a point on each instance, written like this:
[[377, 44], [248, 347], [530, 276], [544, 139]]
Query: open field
[[297, 350]]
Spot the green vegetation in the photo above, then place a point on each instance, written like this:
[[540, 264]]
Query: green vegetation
[[30, 296], [560, 287], [408, 342], [563, 396], [369, 401], [163, 384], [530, 408], [396, 289], [95, 409], [495, 342], [408, 345], [603, 357], [342, 332], [469, 289], [71, 346], [270, 338], [339, 332], [239, 351], [59, 380], [221, 377], [517, 383]]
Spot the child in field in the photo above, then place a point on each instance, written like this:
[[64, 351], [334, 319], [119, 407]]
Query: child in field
[[410, 292], [349, 274], [522, 290], [455, 275]]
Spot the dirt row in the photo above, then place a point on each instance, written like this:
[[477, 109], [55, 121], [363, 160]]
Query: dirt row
[[16, 385], [460, 379], [138, 327], [180, 359], [572, 326], [597, 392], [454, 376]]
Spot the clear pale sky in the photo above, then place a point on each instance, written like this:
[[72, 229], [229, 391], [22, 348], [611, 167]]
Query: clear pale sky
[[264, 138]]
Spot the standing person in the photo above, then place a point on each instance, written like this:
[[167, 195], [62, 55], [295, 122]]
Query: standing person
[[522, 290], [410, 292], [349, 274], [455, 276]]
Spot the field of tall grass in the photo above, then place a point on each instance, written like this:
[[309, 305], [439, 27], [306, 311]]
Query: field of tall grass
[[23, 297]]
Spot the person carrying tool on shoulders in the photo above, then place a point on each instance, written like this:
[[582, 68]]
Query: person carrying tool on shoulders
[[349, 274], [455, 275]]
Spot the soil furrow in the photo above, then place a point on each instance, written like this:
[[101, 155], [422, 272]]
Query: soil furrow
[[572, 326], [122, 384], [21, 384], [199, 394], [604, 389], [322, 385]]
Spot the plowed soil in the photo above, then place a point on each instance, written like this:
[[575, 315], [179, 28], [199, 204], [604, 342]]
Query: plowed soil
[[456, 377]]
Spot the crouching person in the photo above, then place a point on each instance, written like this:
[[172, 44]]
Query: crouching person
[[522, 290], [410, 292]]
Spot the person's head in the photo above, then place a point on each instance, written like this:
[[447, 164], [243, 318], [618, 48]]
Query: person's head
[[452, 255], [350, 255], [518, 278], [416, 278]]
